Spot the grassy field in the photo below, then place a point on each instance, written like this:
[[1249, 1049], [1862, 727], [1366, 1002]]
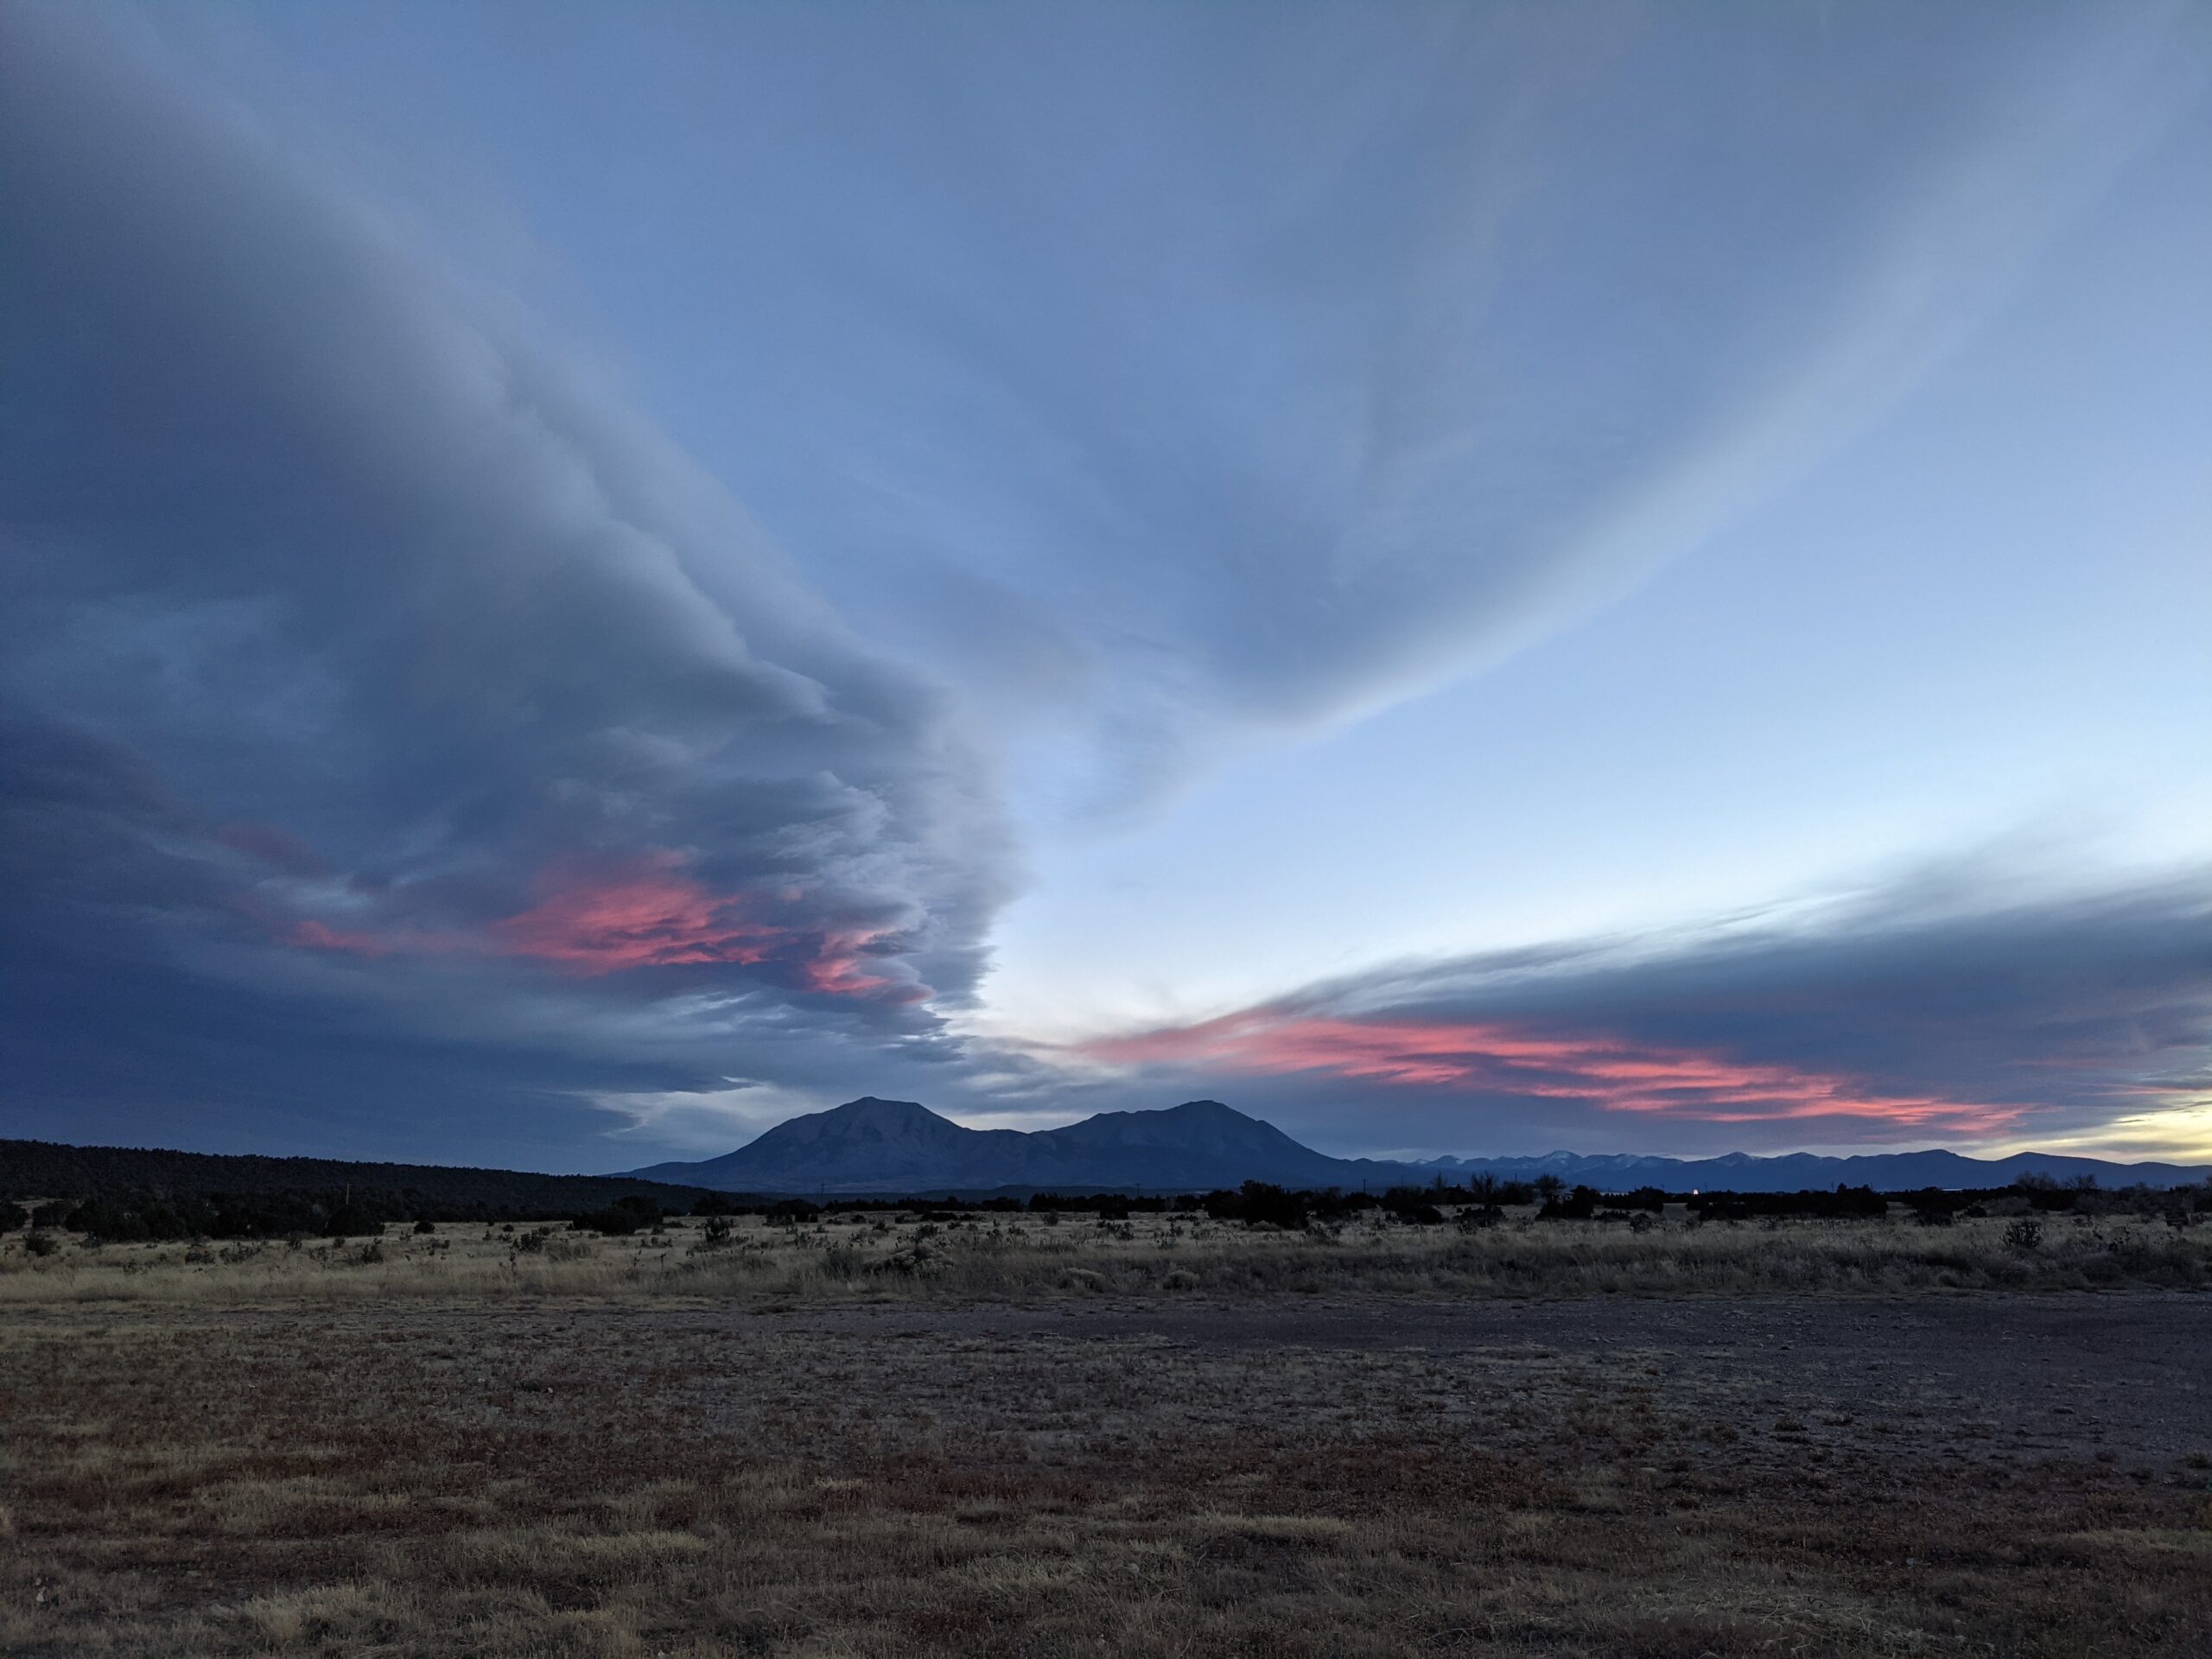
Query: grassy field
[[1003, 1437], [967, 1255]]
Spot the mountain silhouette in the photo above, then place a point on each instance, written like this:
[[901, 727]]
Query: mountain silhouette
[[901, 1146]]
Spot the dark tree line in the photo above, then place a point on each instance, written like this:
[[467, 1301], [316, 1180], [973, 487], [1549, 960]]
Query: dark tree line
[[129, 1194], [131, 1175]]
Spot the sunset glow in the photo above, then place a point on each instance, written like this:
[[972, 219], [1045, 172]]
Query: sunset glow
[[1661, 1081], [647, 913], [597, 918]]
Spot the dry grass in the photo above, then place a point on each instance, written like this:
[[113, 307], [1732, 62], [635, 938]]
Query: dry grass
[[1021, 1258], [770, 1448]]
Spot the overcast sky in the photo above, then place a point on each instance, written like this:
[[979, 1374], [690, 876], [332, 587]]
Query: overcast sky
[[575, 580]]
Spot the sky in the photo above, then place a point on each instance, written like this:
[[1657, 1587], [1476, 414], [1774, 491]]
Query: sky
[[577, 580]]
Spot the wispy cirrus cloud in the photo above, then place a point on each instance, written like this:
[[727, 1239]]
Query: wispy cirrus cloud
[[1382, 354]]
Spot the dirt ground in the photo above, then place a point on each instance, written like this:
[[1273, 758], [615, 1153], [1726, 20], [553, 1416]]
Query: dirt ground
[[1972, 1473], [2131, 1375]]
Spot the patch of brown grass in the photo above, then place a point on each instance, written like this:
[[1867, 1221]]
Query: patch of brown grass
[[631, 1478], [991, 1257]]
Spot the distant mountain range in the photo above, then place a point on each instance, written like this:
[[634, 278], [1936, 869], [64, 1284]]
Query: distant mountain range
[[1798, 1172], [897, 1148]]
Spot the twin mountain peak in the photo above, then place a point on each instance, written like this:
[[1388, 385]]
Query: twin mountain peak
[[897, 1148]]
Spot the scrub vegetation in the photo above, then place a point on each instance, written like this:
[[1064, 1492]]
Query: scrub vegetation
[[959, 1431], [1568, 1243]]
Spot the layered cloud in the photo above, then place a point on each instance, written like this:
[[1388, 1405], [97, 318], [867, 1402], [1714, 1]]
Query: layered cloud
[[361, 652], [1614, 1073], [1228, 369], [609, 916], [1924, 1017]]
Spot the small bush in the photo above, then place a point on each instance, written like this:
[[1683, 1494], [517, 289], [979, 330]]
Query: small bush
[[39, 1243], [1577, 1205], [843, 1262], [621, 1218], [1260, 1204], [2024, 1234]]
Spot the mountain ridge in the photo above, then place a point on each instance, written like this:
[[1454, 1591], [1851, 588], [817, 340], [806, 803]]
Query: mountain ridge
[[872, 1147]]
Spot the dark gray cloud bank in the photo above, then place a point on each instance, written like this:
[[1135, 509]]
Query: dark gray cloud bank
[[405, 750], [1944, 1010], [392, 724]]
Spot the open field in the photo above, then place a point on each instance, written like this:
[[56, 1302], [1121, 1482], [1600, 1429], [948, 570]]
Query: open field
[[959, 1255], [1785, 1440]]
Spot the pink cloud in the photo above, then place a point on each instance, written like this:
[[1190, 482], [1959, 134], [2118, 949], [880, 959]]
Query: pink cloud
[[594, 917], [1618, 1076], [644, 913], [836, 967]]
